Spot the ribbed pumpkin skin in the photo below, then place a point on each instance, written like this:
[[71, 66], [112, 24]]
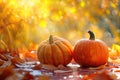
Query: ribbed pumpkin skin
[[59, 52], [90, 53]]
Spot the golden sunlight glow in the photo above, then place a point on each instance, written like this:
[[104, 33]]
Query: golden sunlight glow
[[82, 4], [73, 10]]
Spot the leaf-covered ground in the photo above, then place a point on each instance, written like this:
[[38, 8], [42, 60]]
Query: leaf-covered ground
[[12, 67]]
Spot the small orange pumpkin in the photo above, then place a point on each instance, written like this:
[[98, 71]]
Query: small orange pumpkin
[[55, 51], [90, 52]]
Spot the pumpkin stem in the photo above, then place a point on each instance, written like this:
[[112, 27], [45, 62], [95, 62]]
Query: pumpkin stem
[[51, 39], [92, 36]]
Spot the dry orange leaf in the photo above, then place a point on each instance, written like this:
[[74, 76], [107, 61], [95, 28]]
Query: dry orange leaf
[[1, 62], [43, 77], [6, 72], [3, 57], [28, 76], [16, 60]]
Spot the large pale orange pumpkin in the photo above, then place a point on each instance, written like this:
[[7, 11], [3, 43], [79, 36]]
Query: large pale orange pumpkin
[[90, 52], [55, 51]]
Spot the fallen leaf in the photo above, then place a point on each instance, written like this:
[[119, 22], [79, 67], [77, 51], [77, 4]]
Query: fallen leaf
[[3, 57], [1, 62], [16, 60], [28, 76], [6, 72], [43, 77]]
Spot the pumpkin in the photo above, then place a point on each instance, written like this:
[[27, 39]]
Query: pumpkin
[[55, 51], [90, 52]]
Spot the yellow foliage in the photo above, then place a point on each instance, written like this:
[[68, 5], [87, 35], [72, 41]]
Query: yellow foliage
[[114, 54], [113, 5]]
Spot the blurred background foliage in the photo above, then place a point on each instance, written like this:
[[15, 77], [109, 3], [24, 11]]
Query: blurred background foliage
[[25, 23]]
